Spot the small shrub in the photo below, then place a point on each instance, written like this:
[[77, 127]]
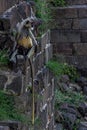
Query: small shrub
[[73, 98], [8, 111], [44, 13], [62, 68]]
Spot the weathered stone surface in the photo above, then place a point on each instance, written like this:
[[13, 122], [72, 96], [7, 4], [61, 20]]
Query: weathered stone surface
[[4, 128], [45, 40], [75, 87], [64, 87], [61, 23], [43, 116], [48, 53], [82, 81], [5, 4], [50, 126], [83, 12], [24, 102], [75, 24], [16, 85], [80, 49], [3, 80], [64, 36], [10, 124], [82, 126], [64, 12], [83, 108], [71, 119], [74, 2], [78, 61], [84, 37], [85, 90], [79, 24], [59, 126], [63, 48], [65, 79], [83, 23]]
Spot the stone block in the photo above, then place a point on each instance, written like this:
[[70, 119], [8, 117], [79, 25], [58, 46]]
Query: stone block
[[80, 24], [64, 48], [61, 23], [75, 24], [65, 36], [10, 124], [75, 2], [79, 61], [4, 128], [64, 12], [84, 36], [83, 23], [82, 11], [80, 49]]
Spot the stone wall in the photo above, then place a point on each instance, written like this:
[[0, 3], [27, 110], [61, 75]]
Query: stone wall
[[76, 2], [69, 33], [5, 4], [19, 83]]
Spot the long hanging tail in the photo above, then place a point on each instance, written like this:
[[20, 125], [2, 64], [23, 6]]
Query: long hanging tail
[[33, 98]]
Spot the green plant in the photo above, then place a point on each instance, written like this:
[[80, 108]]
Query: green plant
[[73, 98], [8, 111], [3, 57], [44, 13], [59, 69]]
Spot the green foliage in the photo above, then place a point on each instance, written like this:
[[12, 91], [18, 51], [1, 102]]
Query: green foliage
[[62, 68], [56, 3], [3, 57], [44, 13], [73, 98], [8, 111]]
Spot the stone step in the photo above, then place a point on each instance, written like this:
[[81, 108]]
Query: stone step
[[75, 2]]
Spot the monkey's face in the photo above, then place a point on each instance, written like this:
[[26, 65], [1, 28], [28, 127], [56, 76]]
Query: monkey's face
[[28, 24]]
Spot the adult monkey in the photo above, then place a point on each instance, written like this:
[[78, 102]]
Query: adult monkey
[[24, 39]]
